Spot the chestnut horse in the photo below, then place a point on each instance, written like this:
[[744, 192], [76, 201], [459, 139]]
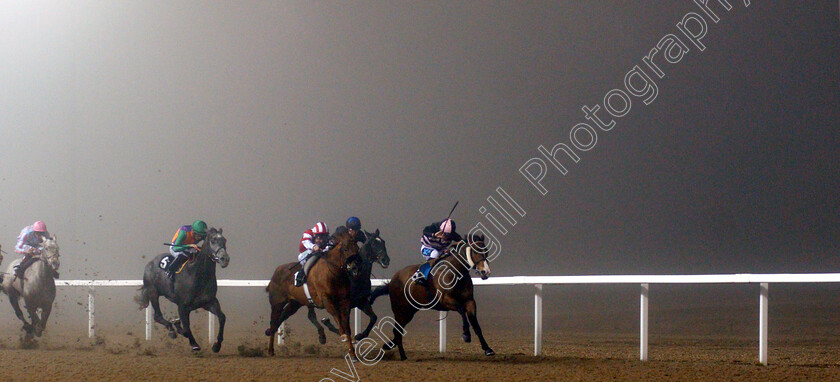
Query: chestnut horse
[[329, 285], [450, 288]]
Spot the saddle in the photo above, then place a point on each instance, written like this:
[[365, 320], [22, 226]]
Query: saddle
[[168, 259]]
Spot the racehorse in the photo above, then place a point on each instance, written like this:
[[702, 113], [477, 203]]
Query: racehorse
[[450, 289], [372, 251], [195, 287], [37, 287], [329, 284]]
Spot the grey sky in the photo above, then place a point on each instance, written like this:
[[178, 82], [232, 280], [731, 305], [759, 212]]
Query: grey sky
[[123, 120]]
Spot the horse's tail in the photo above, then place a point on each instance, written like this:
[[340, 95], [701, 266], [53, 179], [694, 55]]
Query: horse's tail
[[143, 296], [378, 291]]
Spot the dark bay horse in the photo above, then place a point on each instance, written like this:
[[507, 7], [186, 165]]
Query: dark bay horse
[[329, 285], [372, 251], [450, 288], [37, 288], [195, 287]]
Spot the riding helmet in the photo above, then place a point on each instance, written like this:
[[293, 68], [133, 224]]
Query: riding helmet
[[354, 223]]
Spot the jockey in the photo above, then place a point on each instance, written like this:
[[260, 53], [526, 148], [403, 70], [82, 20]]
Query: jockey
[[185, 240], [312, 243], [354, 228], [29, 245], [437, 237]]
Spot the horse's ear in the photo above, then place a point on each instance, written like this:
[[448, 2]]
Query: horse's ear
[[53, 237], [220, 229], [377, 232]]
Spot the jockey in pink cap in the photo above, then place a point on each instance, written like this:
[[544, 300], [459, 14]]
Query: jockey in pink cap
[[436, 238], [29, 245]]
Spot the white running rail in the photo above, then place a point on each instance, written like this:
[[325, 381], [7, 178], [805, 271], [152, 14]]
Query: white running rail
[[538, 282]]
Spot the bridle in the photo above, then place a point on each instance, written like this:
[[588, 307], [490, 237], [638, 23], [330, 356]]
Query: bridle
[[468, 254]]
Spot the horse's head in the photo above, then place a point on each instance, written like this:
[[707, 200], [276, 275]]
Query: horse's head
[[475, 252], [344, 246], [354, 266], [373, 250], [49, 252], [216, 246]]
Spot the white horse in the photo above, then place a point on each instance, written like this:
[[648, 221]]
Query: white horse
[[37, 287]]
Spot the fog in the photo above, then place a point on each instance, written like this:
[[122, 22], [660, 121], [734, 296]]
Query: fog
[[122, 121]]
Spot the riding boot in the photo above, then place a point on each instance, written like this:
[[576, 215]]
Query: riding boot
[[418, 278], [300, 278], [25, 263], [175, 265]]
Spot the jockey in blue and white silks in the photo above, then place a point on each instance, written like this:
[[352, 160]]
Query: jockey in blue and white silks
[[437, 237]]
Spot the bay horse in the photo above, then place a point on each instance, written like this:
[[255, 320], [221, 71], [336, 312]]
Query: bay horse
[[451, 288], [372, 251], [37, 287], [329, 284], [195, 287]]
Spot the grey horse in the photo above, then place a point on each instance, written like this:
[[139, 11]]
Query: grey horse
[[37, 287], [195, 287]]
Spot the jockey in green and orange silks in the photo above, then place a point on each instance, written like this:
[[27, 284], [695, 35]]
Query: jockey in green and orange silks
[[186, 238]]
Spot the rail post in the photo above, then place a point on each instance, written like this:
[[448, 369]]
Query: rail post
[[538, 321], [281, 334], [357, 321], [91, 323], [442, 328], [643, 323], [210, 324], [762, 323], [148, 323]]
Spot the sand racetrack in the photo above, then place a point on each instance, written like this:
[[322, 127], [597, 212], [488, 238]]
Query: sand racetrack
[[576, 359]]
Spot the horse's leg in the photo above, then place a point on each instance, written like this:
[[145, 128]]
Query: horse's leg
[[278, 315], [466, 328], [33, 318], [215, 308], [153, 300], [342, 315], [398, 336], [14, 299], [369, 311], [184, 314], [471, 310], [45, 315], [403, 316], [322, 338], [326, 321]]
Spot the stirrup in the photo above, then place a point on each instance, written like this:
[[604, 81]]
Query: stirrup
[[419, 278], [300, 278]]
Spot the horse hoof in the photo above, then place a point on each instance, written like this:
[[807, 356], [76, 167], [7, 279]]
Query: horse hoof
[[386, 346], [268, 332], [216, 347], [172, 334], [467, 338], [353, 359], [403, 358], [325, 320], [322, 339], [488, 352], [271, 353], [360, 336], [196, 348]]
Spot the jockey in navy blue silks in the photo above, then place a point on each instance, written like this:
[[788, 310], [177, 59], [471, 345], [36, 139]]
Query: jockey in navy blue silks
[[437, 237]]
